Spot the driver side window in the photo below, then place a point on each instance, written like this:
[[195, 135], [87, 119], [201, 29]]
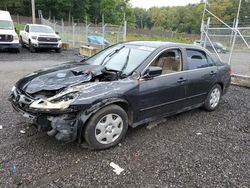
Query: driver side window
[[27, 28], [170, 61]]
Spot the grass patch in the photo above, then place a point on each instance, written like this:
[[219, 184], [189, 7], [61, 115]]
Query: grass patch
[[18, 27], [138, 37]]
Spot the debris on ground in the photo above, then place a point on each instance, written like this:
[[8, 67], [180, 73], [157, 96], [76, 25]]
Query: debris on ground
[[155, 124], [117, 169]]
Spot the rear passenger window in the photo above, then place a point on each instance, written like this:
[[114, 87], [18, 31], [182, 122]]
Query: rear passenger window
[[197, 59]]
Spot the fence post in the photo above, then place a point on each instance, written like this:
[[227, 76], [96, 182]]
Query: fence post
[[235, 33], [54, 19], [73, 35], [207, 27], [62, 29], [125, 31], [18, 21]]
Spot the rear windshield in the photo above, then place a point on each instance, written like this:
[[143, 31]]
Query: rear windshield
[[6, 25], [41, 29]]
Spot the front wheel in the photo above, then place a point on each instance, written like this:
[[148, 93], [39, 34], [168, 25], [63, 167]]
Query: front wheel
[[31, 48], [213, 99], [59, 50], [22, 43], [106, 128]]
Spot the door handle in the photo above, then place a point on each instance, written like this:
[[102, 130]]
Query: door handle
[[212, 73], [181, 80]]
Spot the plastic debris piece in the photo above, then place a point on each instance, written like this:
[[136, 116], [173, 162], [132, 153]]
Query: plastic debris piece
[[14, 168], [198, 134], [1, 127], [22, 131], [117, 169]]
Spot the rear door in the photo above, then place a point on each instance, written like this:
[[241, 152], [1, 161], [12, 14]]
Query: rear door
[[201, 72], [164, 94]]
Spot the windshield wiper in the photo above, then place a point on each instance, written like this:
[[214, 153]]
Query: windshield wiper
[[126, 62], [110, 55]]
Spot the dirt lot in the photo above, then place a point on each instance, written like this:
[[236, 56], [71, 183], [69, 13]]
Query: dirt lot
[[193, 149]]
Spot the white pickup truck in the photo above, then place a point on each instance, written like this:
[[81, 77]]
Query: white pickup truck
[[36, 36], [8, 36]]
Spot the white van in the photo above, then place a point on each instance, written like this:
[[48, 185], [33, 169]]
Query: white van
[[8, 36]]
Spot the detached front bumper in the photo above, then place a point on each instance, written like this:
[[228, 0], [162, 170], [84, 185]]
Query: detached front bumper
[[63, 125]]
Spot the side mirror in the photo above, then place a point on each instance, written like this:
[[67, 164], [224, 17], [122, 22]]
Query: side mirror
[[57, 33], [152, 71]]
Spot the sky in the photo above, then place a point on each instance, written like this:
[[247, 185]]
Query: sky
[[150, 3]]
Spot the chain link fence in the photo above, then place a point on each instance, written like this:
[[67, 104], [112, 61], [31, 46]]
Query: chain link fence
[[76, 34], [229, 41]]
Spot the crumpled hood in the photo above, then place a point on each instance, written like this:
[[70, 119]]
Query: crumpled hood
[[58, 77]]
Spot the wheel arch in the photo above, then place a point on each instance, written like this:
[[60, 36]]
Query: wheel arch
[[86, 115], [221, 85]]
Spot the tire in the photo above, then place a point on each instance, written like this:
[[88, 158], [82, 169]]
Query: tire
[[31, 48], [59, 50], [213, 98], [22, 43], [106, 128]]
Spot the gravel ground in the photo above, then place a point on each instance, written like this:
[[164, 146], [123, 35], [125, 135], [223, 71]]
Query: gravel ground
[[192, 149]]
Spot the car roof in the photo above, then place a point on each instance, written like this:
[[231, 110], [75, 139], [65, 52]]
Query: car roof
[[5, 15], [158, 44]]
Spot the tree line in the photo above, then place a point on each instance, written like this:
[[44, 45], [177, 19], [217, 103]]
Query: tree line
[[183, 19]]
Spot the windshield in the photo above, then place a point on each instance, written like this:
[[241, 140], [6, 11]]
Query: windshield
[[122, 58], [6, 25], [41, 29]]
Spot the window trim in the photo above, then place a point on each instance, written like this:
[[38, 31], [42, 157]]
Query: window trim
[[157, 55]]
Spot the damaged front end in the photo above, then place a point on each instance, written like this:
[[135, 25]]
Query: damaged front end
[[50, 99], [52, 114]]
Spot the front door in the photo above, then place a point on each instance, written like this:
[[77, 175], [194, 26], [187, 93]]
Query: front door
[[164, 94]]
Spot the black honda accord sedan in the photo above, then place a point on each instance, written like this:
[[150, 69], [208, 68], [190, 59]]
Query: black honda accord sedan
[[127, 84]]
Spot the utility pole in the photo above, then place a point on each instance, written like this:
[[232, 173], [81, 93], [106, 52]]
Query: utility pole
[[33, 11]]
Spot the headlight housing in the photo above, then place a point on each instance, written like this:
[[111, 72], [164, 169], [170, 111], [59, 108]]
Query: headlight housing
[[65, 98], [16, 37], [34, 37], [58, 102]]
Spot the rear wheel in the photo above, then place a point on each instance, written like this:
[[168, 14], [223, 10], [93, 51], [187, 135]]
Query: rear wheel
[[213, 99], [106, 128]]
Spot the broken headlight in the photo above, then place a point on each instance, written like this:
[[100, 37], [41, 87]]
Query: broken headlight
[[58, 102], [66, 97]]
